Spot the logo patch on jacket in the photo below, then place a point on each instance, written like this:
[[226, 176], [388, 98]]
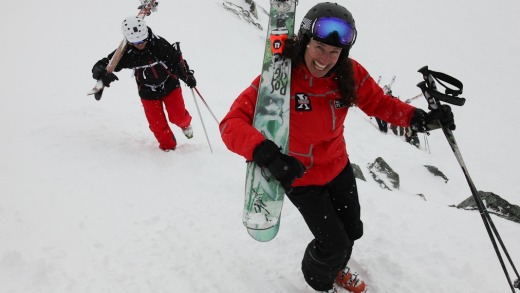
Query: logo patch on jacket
[[338, 104], [303, 103]]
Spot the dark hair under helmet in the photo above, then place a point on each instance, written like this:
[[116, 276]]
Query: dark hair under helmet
[[324, 11]]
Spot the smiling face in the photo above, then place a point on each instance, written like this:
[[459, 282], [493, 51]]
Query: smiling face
[[320, 57]]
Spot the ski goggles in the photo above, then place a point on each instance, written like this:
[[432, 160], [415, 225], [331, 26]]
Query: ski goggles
[[324, 28], [139, 43]]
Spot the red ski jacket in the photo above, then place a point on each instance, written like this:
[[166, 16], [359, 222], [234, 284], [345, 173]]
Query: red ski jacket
[[316, 121]]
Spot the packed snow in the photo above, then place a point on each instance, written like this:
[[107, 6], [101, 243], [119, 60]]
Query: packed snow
[[88, 202]]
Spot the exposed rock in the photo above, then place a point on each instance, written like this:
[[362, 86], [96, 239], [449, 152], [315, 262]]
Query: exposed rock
[[252, 8], [422, 196], [246, 11], [383, 174], [435, 171], [357, 172], [494, 204]]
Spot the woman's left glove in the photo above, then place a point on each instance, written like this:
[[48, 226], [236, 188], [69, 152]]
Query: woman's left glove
[[422, 121], [284, 168]]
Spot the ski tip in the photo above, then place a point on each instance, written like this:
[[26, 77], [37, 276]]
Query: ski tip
[[98, 95], [97, 90], [264, 235]]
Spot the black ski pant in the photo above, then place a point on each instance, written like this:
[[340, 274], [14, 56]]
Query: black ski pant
[[332, 213]]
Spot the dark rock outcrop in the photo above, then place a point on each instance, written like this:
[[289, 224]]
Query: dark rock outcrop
[[384, 175], [494, 204]]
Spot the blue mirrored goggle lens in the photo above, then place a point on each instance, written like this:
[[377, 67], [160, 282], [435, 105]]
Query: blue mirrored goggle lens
[[325, 26], [138, 43]]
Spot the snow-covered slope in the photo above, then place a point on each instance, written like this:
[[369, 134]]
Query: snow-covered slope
[[88, 203]]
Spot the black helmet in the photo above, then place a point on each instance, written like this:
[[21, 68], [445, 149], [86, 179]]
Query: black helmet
[[329, 23]]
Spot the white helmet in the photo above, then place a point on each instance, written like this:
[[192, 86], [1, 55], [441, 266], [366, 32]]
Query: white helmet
[[134, 29]]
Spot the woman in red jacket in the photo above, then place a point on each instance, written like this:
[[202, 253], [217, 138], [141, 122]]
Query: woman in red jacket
[[325, 83]]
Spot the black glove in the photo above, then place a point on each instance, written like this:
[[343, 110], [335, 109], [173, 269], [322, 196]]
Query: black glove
[[107, 78], [190, 80], [100, 72], [284, 168], [422, 121]]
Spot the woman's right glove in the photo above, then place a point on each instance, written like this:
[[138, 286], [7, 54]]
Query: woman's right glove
[[284, 168]]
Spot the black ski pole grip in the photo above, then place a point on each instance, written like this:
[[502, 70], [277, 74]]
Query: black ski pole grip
[[432, 103], [430, 87], [427, 77]]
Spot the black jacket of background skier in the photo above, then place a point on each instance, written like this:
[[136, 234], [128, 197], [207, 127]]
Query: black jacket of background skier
[[157, 69]]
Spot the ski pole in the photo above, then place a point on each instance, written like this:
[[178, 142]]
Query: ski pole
[[178, 47], [427, 144], [433, 97], [201, 120], [408, 101], [488, 222], [204, 101], [387, 89]]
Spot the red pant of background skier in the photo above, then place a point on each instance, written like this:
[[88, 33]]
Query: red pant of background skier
[[177, 114]]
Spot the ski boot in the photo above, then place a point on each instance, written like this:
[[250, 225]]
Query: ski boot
[[333, 290], [188, 131], [351, 281]]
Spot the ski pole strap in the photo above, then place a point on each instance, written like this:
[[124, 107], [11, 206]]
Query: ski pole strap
[[433, 96]]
